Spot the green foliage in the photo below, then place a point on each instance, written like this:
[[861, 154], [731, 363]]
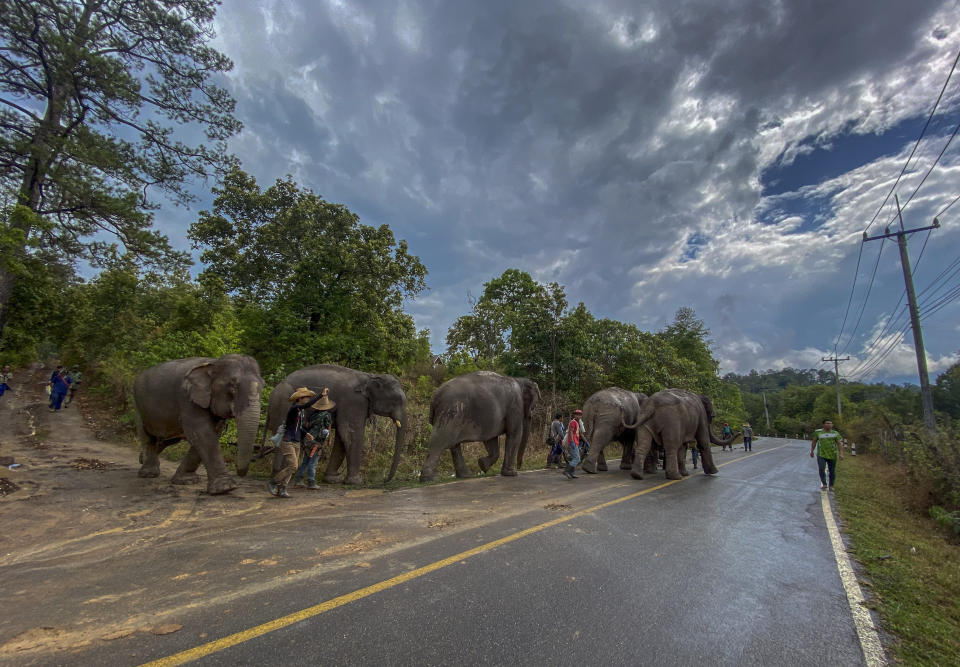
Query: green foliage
[[312, 284], [949, 520], [946, 393]]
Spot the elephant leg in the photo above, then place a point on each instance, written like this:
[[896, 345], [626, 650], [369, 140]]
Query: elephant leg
[[459, 464], [206, 443], [149, 453], [682, 460], [493, 453], [641, 450], [337, 454], [353, 445], [601, 461], [706, 456], [626, 458], [510, 449], [670, 459], [187, 470], [440, 440], [595, 460]]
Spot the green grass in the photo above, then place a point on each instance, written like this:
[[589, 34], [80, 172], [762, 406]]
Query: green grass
[[911, 563]]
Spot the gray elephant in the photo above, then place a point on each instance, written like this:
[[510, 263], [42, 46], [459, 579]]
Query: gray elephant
[[479, 407], [603, 416], [674, 417], [192, 399], [358, 395]]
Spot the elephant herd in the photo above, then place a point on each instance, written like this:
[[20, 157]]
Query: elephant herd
[[192, 399]]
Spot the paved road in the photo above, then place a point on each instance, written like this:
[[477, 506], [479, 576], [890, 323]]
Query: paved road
[[735, 569]]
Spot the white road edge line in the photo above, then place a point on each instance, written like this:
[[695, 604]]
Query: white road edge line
[[866, 631]]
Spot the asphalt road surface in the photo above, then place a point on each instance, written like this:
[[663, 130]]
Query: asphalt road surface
[[733, 569]]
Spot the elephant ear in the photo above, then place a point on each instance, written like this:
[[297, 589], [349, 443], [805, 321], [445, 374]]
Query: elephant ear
[[531, 394], [197, 385], [708, 406]]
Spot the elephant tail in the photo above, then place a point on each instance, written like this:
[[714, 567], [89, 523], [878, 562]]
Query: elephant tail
[[646, 412]]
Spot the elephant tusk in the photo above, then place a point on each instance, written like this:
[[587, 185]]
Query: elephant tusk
[[397, 422]]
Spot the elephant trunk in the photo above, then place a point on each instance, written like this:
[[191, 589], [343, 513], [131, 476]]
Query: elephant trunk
[[248, 420], [400, 419], [723, 443]]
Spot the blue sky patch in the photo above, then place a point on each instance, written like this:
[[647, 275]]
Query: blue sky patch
[[844, 152]]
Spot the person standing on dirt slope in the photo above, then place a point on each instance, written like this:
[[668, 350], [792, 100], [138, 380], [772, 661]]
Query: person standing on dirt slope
[[6, 377], [293, 432], [59, 384], [75, 377], [318, 423]]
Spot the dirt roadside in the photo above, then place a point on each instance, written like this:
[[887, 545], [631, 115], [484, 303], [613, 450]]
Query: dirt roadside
[[92, 553]]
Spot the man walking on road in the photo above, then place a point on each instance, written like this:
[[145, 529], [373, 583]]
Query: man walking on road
[[826, 445], [747, 438]]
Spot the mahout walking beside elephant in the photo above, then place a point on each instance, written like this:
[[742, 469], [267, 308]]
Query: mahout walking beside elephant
[[604, 414], [479, 407], [192, 399], [358, 396], [674, 417]]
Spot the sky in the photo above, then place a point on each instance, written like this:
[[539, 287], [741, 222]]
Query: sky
[[721, 155]]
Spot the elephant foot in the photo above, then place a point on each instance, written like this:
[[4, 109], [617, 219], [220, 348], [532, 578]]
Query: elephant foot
[[508, 472], [485, 463], [684, 473], [602, 467], [463, 474], [674, 475], [221, 485], [332, 479], [427, 476], [149, 471], [626, 465], [712, 470], [590, 467], [355, 480], [650, 470], [636, 474], [185, 478]]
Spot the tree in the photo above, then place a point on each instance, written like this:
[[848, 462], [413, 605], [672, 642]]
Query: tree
[[311, 281], [689, 336], [90, 91], [946, 393]]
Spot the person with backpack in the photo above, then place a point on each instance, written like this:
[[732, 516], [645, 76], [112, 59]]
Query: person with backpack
[[555, 440], [572, 448], [727, 432], [318, 423], [747, 437], [59, 385]]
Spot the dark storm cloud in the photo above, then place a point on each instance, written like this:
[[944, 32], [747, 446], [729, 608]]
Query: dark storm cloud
[[582, 142]]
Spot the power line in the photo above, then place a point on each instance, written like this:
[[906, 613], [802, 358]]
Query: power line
[[917, 144], [866, 298]]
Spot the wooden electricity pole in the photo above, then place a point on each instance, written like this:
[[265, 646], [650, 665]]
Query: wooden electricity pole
[[926, 395], [836, 375]]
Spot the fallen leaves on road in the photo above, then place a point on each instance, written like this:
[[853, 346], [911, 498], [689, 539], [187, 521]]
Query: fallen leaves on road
[[168, 629], [558, 507], [81, 463], [7, 487]]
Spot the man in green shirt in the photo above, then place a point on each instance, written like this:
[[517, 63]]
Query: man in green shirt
[[826, 446]]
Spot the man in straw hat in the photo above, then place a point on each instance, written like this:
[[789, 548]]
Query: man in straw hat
[[293, 431], [317, 425]]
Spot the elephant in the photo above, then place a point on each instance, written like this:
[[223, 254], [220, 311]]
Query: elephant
[[358, 395], [674, 417], [192, 399], [603, 416], [478, 407]]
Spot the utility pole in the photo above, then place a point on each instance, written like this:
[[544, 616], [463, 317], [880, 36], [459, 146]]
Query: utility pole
[[765, 411], [926, 395], [836, 375]]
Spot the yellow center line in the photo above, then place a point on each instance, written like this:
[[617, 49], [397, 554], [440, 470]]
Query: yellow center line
[[285, 621]]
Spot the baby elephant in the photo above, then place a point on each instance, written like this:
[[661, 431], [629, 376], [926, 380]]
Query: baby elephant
[[479, 407]]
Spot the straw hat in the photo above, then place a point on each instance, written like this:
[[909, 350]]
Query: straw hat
[[300, 393], [324, 402]]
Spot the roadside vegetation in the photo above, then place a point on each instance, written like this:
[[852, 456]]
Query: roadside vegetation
[[911, 563]]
